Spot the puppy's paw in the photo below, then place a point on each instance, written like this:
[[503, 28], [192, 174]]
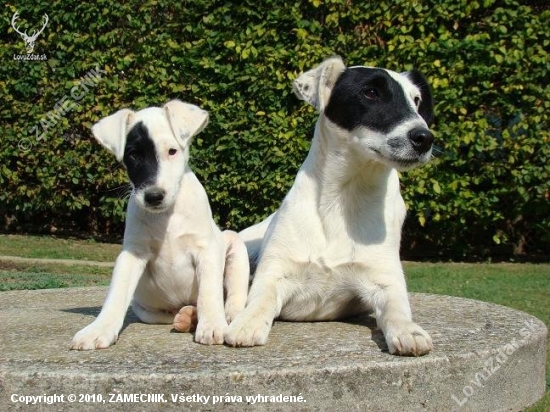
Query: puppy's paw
[[244, 331], [186, 319], [408, 339], [210, 332], [233, 307], [94, 336]]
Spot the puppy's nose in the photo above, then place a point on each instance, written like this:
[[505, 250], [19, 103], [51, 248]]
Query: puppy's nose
[[154, 197], [421, 139]]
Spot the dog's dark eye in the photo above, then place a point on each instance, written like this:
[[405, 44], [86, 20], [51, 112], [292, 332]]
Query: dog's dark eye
[[417, 101], [172, 152], [371, 94], [133, 155]]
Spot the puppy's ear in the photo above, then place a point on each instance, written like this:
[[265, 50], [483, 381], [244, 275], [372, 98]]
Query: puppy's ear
[[315, 85], [186, 120], [426, 108], [111, 132]]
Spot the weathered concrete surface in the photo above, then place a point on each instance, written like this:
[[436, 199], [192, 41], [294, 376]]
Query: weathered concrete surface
[[340, 366]]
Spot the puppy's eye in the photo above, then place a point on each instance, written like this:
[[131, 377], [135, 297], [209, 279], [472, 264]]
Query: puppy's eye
[[417, 101], [371, 94], [172, 152]]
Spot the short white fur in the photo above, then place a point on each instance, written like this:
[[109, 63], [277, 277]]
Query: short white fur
[[175, 255], [332, 249]]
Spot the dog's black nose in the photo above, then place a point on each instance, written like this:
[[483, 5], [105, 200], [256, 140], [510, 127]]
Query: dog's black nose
[[154, 197], [421, 139]]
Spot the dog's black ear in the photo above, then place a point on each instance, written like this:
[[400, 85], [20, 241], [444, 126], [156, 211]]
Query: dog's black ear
[[186, 120], [426, 109], [111, 132], [315, 85]]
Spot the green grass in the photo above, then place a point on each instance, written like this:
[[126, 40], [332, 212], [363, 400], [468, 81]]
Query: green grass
[[521, 286], [41, 247], [18, 276]]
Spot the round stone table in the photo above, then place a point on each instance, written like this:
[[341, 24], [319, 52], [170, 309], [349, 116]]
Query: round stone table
[[486, 358]]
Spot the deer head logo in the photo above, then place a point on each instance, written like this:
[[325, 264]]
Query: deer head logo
[[29, 40]]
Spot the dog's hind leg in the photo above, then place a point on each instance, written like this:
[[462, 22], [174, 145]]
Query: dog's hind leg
[[186, 319], [152, 316], [236, 274]]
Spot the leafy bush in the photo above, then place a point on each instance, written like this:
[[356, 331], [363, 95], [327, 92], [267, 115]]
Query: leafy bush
[[487, 192]]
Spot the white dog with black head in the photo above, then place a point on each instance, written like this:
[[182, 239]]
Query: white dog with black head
[[173, 253], [332, 249]]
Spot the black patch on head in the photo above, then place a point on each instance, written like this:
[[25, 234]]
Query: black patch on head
[[140, 156], [426, 108], [368, 97]]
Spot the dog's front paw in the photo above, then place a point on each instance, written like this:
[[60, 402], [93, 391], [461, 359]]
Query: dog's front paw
[[94, 336], [408, 339], [244, 331], [210, 332]]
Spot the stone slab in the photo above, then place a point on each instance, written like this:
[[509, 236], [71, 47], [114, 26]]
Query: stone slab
[[486, 358]]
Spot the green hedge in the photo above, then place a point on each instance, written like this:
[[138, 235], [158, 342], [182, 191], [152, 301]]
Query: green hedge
[[485, 194]]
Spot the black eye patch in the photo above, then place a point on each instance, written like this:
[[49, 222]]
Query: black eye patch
[[370, 98], [140, 156], [425, 109]]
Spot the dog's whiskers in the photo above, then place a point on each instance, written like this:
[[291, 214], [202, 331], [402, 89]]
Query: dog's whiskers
[[125, 192], [122, 191], [437, 151]]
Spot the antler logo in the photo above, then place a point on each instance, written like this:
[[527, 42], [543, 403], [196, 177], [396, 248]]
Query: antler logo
[[29, 40]]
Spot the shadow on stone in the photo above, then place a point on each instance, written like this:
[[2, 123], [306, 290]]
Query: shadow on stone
[[88, 311], [366, 320], [93, 311]]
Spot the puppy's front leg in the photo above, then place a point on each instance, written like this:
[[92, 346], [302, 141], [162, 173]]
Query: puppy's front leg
[[210, 311], [103, 332], [393, 316], [236, 274], [251, 327]]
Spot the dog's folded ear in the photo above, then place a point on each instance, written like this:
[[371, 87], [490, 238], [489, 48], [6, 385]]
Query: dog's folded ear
[[315, 85], [111, 132], [186, 120]]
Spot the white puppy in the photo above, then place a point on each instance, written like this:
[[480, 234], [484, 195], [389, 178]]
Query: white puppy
[[173, 253], [332, 249]]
